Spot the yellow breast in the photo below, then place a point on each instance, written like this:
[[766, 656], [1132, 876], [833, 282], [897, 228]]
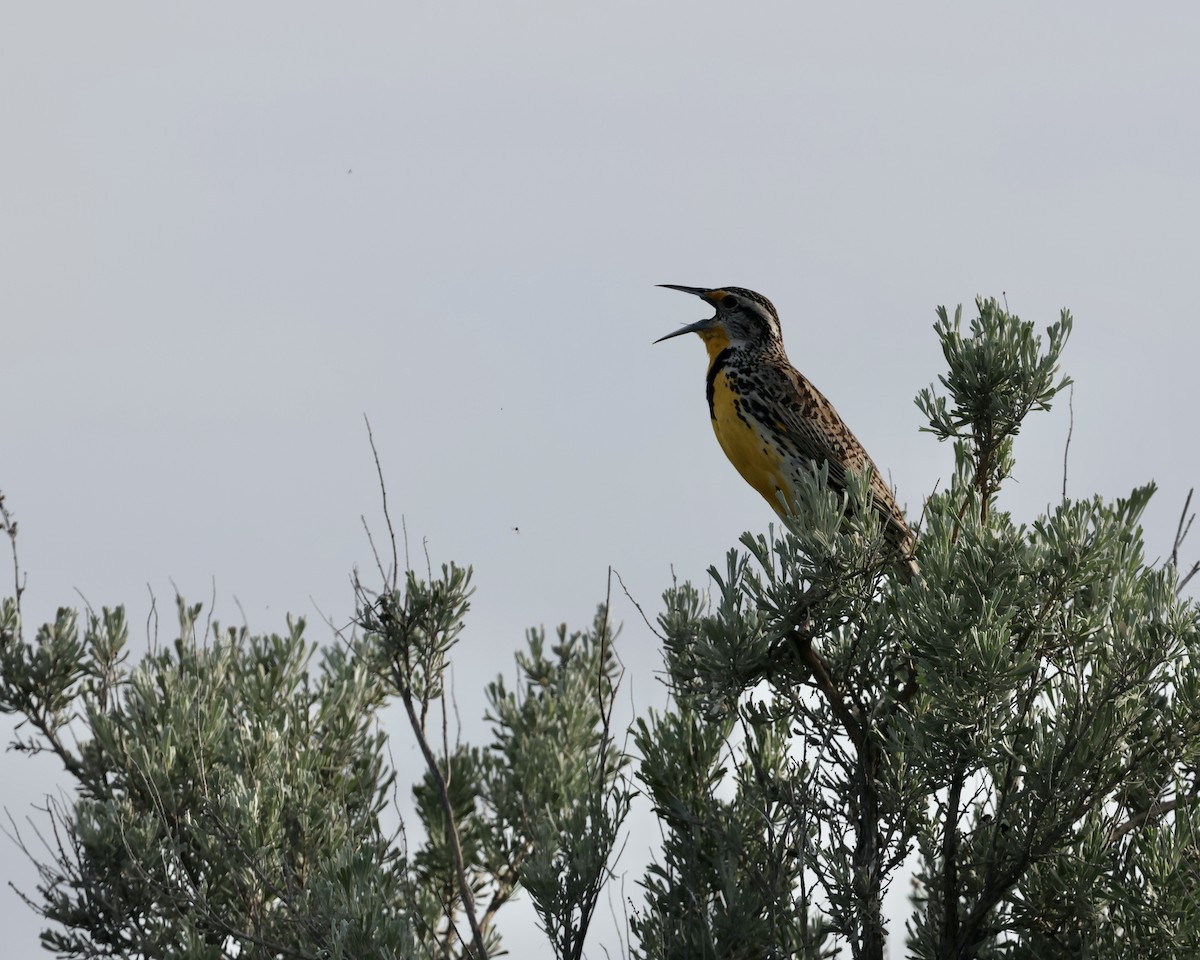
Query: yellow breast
[[742, 439]]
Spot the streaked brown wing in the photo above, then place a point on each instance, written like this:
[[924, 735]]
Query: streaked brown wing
[[814, 430]]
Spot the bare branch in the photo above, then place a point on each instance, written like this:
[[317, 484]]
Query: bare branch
[[1155, 811], [460, 869]]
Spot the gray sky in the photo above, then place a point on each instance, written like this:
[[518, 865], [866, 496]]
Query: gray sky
[[229, 230]]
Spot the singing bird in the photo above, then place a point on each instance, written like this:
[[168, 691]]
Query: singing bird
[[770, 420]]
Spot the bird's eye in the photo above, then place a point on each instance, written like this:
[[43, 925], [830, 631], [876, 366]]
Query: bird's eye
[[730, 303]]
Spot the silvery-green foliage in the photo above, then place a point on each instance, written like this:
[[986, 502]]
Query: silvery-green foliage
[[555, 783], [230, 794], [226, 792], [1021, 720]]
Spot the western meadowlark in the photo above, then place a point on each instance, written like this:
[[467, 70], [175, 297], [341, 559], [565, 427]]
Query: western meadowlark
[[770, 421]]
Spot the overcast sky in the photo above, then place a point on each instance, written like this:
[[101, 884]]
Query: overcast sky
[[230, 230]]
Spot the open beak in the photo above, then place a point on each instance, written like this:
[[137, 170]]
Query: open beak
[[699, 325]]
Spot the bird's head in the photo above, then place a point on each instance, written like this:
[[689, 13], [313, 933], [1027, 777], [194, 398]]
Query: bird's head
[[743, 319]]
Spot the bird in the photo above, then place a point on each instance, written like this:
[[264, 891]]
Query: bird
[[770, 420]]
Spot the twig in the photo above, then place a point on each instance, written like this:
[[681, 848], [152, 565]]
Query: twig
[[237, 602], [383, 575], [1188, 576], [383, 494], [1181, 531], [9, 525], [605, 716], [152, 622], [1070, 431], [637, 606], [212, 606]]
